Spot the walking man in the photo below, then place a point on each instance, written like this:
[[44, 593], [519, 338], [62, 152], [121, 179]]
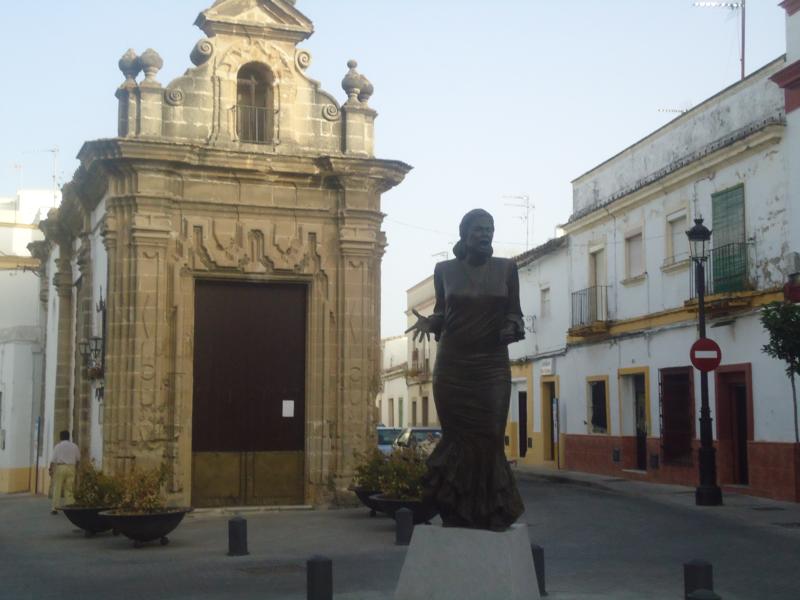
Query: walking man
[[62, 470]]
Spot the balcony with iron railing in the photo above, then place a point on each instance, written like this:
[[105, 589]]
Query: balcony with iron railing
[[590, 308], [726, 271], [254, 124]]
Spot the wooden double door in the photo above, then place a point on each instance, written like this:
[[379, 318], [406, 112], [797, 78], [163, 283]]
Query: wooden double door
[[248, 420]]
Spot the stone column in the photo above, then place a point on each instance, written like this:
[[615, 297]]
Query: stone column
[[63, 392], [81, 411], [149, 384], [117, 453], [361, 246]]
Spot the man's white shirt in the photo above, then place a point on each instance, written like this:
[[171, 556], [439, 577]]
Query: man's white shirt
[[66, 453]]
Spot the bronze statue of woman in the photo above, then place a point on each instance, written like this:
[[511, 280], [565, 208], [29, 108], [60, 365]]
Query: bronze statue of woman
[[477, 314]]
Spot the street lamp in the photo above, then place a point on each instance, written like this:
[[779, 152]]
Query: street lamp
[[91, 351], [708, 492]]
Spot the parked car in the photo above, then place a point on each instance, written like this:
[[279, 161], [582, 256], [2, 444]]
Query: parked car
[[386, 437], [423, 438]]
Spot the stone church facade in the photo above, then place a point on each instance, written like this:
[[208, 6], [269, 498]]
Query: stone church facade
[[225, 249]]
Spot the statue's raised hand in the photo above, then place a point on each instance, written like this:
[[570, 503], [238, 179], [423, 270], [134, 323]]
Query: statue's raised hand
[[422, 328]]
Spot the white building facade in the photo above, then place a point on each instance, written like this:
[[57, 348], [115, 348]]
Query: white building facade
[[21, 338], [532, 434], [421, 355], [392, 402], [632, 402]]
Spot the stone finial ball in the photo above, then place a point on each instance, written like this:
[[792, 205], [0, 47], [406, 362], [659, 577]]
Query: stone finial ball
[[129, 64], [366, 90], [351, 83], [151, 62]]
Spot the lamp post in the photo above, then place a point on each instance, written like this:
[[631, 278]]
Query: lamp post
[[708, 492]]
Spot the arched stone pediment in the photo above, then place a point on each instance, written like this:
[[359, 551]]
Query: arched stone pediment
[[259, 51], [256, 18]]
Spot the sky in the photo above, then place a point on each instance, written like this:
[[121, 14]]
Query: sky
[[490, 101]]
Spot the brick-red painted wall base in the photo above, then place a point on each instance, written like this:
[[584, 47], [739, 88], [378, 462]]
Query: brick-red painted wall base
[[774, 468]]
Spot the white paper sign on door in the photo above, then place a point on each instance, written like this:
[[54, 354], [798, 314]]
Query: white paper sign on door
[[288, 409]]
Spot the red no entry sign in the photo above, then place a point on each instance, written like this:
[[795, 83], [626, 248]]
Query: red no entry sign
[[705, 355]]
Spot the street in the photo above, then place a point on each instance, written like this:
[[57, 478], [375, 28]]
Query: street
[[598, 544]]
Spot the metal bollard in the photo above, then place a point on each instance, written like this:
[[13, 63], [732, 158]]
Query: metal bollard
[[237, 537], [538, 564], [404, 527], [703, 595], [319, 578], [697, 575]]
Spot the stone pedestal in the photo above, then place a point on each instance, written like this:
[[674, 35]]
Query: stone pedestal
[[468, 564]]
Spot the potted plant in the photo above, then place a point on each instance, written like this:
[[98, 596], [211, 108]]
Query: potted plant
[[95, 492], [401, 485], [142, 514], [367, 478]]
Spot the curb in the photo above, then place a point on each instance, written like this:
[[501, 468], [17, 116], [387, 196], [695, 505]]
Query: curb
[[232, 511], [559, 478]]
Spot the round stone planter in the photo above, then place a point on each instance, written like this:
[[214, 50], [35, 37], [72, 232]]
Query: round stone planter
[[146, 527], [365, 496], [422, 511], [88, 518]]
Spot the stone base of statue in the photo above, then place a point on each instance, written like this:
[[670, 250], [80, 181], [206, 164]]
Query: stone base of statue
[[450, 563]]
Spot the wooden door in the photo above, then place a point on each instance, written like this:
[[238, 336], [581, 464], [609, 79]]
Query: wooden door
[[549, 429], [640, 415], [248, 421], [522, 408]]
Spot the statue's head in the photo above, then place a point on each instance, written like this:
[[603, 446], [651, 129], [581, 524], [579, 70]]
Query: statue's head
[[476, 232]]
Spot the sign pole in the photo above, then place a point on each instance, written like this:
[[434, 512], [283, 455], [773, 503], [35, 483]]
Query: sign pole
[[708, 492]]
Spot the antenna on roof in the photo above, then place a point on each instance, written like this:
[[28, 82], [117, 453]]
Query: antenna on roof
[[730, 6], [673, 110], [54, 151], [525, 218]]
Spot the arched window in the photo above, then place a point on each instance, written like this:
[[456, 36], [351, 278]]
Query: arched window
[[255, 114]]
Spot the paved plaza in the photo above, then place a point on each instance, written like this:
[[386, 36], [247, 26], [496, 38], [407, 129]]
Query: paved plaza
[[603, 538]]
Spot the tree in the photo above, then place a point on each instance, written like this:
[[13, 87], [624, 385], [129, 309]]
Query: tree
[[782, 322]]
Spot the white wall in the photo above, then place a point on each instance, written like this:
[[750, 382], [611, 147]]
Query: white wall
[[792, 153], [393, 382], [764, 171], [19, 299], [21, 320], [396, 389], [51, 360], [793, 37], [549, 271], [741, 343], [17, 356], [732, 109]]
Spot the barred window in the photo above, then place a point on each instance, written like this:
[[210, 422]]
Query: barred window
[[255, 115]]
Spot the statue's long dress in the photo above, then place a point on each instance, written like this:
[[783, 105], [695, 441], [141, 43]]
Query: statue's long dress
[[469, 477]]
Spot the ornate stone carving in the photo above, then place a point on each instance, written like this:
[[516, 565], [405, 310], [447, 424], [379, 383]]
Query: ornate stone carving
[[303, 59], [151, 64], [174, 97], [249, 247], [202, 52], [331, 112], [130, 65], [255, 51]]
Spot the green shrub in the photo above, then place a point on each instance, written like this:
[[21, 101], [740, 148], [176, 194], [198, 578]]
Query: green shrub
[[96, 489], [369, 470], [142, 490], [402, 476]]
